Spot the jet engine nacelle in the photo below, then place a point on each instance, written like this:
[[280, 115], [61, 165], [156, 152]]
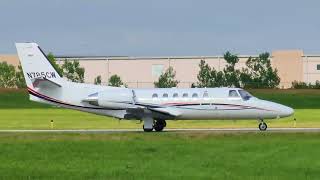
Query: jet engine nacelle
[[116, 98]]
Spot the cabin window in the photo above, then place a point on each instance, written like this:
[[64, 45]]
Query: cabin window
[[194, 95], [175, 95], [185, 95], [233, 93], [205, 95], [165, 95], [154, 95]]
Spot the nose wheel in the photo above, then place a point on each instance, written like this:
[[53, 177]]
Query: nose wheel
[[263, 126]]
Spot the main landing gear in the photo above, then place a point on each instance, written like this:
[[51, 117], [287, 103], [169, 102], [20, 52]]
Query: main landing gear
[[262, 125], [158, 126]]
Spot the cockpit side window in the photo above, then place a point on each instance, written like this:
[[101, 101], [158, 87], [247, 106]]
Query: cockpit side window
[[233, 93], [245, 95]]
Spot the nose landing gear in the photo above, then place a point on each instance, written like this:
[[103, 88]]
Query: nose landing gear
[[262, 125]]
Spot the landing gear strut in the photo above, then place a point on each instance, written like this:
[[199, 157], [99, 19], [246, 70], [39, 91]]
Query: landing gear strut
[[159, 125], [262, 125], [147, 124], [147, 129]]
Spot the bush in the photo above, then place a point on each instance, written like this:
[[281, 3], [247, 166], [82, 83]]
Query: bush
[[10, 78], [7, 75], [209, 77], [304, 85], [97, 80], [167, 79], [259, 73], [73, 71], [116, 81]]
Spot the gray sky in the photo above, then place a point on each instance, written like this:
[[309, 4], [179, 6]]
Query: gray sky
[[162, 27]]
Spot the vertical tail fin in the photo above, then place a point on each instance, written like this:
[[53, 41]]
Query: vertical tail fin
[[35, 64]]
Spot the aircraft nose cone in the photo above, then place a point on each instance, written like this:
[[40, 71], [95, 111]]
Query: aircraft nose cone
[[286, 111]]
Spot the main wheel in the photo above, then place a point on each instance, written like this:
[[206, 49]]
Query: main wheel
[[159, 125], [147, 130], [263, 126]]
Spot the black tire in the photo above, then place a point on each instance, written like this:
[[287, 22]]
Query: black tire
[[158, 127], [263, 126], [161, 122], [164, 123], [147, 130]]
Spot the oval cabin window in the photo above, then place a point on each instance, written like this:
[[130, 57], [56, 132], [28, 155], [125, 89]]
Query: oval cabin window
[[175, 95], [194, 95], [154, 95], [165, 95], [185, 95]]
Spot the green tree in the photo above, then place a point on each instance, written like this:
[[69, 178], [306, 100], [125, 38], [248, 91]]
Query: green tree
[[73, 71], [53, 62], [7, 75], [167, 79], [97, 80], [115, 81], [19, 78], [232, 75], [259, 73], [209, 77]]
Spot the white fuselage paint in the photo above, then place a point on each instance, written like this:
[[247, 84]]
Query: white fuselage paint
[[216, 105]]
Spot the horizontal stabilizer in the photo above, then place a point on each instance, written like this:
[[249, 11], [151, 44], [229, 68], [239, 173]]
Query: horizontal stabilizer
[[43, 82]]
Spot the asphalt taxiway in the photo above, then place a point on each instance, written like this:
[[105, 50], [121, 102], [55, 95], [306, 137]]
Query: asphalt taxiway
[[238, 130]]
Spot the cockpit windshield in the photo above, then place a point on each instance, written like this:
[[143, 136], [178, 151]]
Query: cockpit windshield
[[245, 95]]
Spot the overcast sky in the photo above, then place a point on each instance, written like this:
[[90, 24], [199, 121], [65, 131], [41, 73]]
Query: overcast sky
[[161, 27]]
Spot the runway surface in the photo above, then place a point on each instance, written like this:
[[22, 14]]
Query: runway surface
[[238, 130]]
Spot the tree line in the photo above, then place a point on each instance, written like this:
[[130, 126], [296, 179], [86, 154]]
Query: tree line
[[257, 73]]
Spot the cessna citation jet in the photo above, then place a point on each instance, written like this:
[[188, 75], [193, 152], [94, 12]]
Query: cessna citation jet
[[152, 106]]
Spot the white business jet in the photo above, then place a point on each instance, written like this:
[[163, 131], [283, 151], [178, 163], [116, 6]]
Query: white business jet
[[152, 106]]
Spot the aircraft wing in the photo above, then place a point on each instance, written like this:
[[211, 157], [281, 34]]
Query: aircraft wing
[[43, 82], [158, 112], [167, 111]]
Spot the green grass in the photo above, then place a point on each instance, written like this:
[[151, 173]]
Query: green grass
[[17, 112], [160, 156], [297, 99], [18, 98], [69, 119], [166, 155]]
